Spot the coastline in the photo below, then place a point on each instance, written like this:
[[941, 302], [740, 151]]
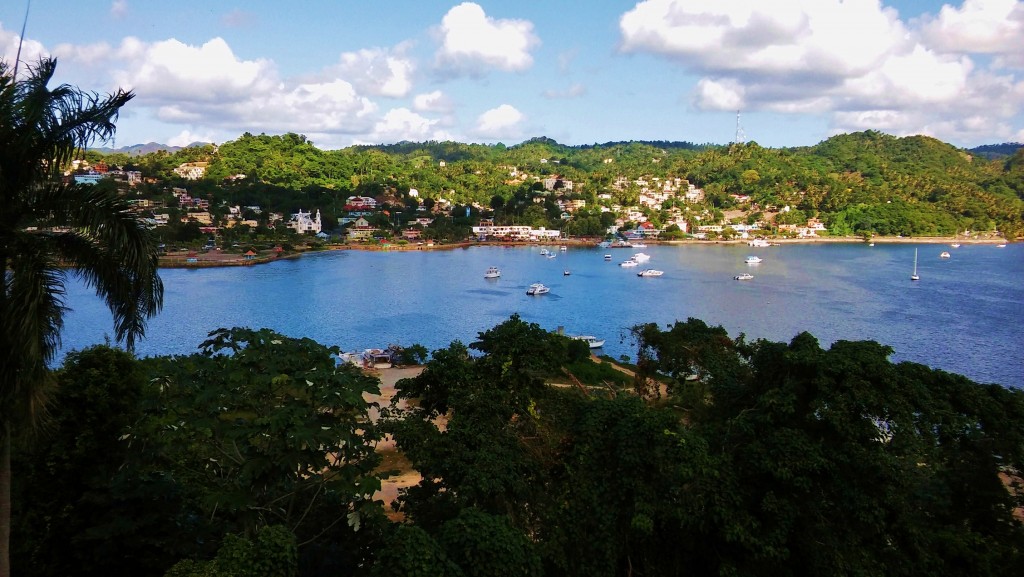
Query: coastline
[[219, 259]]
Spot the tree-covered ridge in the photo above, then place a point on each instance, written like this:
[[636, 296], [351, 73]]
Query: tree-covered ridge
[[256, 456], [861, 183]]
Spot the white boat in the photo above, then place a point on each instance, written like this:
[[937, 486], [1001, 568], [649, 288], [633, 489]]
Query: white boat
[[753, 259], [550, 255], [1000, 246], [641, 257], [537, 289], [639, 245], [607, 257], [744, 276], [563, 248], [758, 242], [566, 272], [913, 276], [604, 244], [629, 262], [544, 252], [492, 272], [650, 272], [594, 342], [955, 245], [943, 254]]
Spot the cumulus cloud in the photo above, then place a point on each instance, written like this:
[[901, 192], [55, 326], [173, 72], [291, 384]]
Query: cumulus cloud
[[473, 43], [979, 26], [119, 8], [187, 137], [208, 84], [852, 59], [498, 123], [435, 101], [378, 71], [401, 124]]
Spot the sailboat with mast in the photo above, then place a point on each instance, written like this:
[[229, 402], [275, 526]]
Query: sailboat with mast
[[914, 275]]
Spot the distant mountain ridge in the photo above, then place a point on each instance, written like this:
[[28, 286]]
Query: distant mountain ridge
[[989, 151], [148, 148]]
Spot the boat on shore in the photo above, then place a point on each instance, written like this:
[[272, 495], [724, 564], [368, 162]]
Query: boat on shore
[[592, 341], [492, 272], [758, 242], [650, 272], [537, 289]]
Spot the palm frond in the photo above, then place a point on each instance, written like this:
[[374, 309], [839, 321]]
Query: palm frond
[[96, 233]]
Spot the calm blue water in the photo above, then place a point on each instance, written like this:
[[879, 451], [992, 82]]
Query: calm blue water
[[964, 315]]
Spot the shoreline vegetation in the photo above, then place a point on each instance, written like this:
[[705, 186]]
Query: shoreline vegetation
[[218, 258]]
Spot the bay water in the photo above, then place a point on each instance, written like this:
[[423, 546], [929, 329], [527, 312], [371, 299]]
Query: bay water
[[965, 315]]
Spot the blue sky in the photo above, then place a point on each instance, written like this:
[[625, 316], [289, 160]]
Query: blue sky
[[356, 72]]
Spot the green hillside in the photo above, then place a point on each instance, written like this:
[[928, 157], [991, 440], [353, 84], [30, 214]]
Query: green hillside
[[860, 183]]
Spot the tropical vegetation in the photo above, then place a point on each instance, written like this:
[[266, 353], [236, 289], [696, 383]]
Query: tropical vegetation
[[49, 228], [257, 455]]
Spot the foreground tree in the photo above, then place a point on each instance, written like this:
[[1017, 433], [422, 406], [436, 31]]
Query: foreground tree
[[48, 227]]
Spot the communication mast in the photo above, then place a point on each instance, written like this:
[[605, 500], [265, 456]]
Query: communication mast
[[740, 137]]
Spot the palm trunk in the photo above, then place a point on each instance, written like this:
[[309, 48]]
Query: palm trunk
[[5, 499]]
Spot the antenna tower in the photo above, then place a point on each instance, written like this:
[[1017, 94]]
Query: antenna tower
[[740, 137]]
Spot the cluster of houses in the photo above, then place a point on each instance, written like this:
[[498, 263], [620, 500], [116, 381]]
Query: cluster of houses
[[652, 193]]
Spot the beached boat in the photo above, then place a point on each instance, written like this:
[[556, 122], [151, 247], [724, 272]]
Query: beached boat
[[650, 272], [376, 359], [594, 342], [492, 272], [758, 242], [753, 259], [744, 276], [537, 289]]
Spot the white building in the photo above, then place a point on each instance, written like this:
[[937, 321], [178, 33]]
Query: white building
[[303, 222]]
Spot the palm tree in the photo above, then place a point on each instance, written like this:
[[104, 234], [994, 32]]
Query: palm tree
[[50, 228]]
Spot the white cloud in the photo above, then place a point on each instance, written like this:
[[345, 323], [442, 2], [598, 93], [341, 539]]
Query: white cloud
[[828, 38], [979, 26], [435, 101], [851, 59], [30, 49], [187, 137], [403, 124], [378, 71], [473, 43], [172, 71], [119, 8], [724, 94], [502, 122]]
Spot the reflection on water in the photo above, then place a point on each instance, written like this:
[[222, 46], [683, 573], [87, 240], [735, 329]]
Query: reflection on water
[[962, 316]]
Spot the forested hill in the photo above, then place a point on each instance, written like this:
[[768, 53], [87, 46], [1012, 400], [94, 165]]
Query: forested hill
[[856, 183]]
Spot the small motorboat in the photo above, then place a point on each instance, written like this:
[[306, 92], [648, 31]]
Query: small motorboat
[[566, 272], [753, 260], [594, 342], [629, 262], [943, 254], [744, 276], [607, 257], [650, 272], [492, 272], [537, 289]]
